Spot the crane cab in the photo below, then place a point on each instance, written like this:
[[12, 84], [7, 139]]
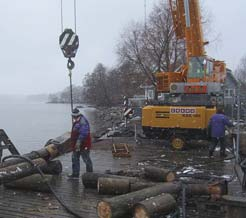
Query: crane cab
[[204, 69]]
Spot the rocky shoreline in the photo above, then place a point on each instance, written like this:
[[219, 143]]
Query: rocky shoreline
[[105, 119]]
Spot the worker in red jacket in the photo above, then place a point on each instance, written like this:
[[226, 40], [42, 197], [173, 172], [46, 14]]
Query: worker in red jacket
[[81, 143]]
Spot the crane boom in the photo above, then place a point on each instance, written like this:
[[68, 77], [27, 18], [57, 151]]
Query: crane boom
[[187, 25], [198, 67]]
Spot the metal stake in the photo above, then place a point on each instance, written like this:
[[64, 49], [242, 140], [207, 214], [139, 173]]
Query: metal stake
[[184, 201], [238, 125]]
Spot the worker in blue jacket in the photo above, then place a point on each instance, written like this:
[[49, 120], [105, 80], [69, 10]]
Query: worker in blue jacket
[[217, 125]]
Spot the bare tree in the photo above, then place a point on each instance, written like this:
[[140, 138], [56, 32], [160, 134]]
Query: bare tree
[[154, 47], [96, 89], [240, 72]]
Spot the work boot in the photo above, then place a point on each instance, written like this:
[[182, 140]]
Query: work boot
[[72, 176]]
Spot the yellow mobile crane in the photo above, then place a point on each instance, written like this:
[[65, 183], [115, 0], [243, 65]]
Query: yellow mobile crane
[[193, 92]]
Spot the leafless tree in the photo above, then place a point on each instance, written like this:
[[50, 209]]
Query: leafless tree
[[240, 72], [96, 90], [152, 47]]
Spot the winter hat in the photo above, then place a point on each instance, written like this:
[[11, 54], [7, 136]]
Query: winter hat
[[76, 112]]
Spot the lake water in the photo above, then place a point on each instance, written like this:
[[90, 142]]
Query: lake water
[[31, 125]]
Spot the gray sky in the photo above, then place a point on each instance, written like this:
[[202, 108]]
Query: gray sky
[[31, 60]]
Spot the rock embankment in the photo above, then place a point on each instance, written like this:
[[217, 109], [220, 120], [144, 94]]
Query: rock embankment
[[106, 118]]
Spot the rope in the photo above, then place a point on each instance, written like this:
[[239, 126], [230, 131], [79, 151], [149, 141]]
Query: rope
[[61, 16], [47, 182], [75, 16]]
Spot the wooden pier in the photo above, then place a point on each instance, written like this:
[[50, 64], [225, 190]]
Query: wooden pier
[[16, 203]]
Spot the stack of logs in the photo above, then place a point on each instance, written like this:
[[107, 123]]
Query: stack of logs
[[144, 199], [17, 173]]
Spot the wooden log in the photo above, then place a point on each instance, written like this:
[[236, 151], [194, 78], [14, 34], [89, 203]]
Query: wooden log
[[159, 174], [53, 168], [20, 170], [49, 152], [216, 189], [158, 205], [130, 173], [113, 186], [119, 186], [32, 183], [235, 206], [90, 180], [120, 206], [141, 185]]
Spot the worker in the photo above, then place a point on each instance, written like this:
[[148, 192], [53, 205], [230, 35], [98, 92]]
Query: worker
[[81, 143], [217, 125]]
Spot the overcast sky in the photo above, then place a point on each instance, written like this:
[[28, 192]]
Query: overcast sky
[[31, 60]]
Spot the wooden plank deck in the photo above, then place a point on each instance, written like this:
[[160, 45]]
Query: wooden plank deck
[[16, 203]]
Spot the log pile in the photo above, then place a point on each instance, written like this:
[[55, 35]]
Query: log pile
[[16, 169], [152, 198]]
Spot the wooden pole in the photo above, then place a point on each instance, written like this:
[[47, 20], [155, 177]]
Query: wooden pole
[[159, 174], [158, 205]]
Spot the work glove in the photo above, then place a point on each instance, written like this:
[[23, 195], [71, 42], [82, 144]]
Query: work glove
[[78, 145]]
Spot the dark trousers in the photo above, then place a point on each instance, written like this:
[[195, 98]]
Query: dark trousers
[[214, 143], [85, 154]]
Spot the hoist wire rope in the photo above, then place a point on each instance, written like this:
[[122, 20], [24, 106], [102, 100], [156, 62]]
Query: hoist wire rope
[[61, 8], [74, 12], [75, 15], [75, 28]]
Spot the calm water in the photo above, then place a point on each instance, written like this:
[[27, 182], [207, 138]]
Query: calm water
[[31, 125]]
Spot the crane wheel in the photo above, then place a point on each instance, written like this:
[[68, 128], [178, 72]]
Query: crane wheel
[[178, 142]]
